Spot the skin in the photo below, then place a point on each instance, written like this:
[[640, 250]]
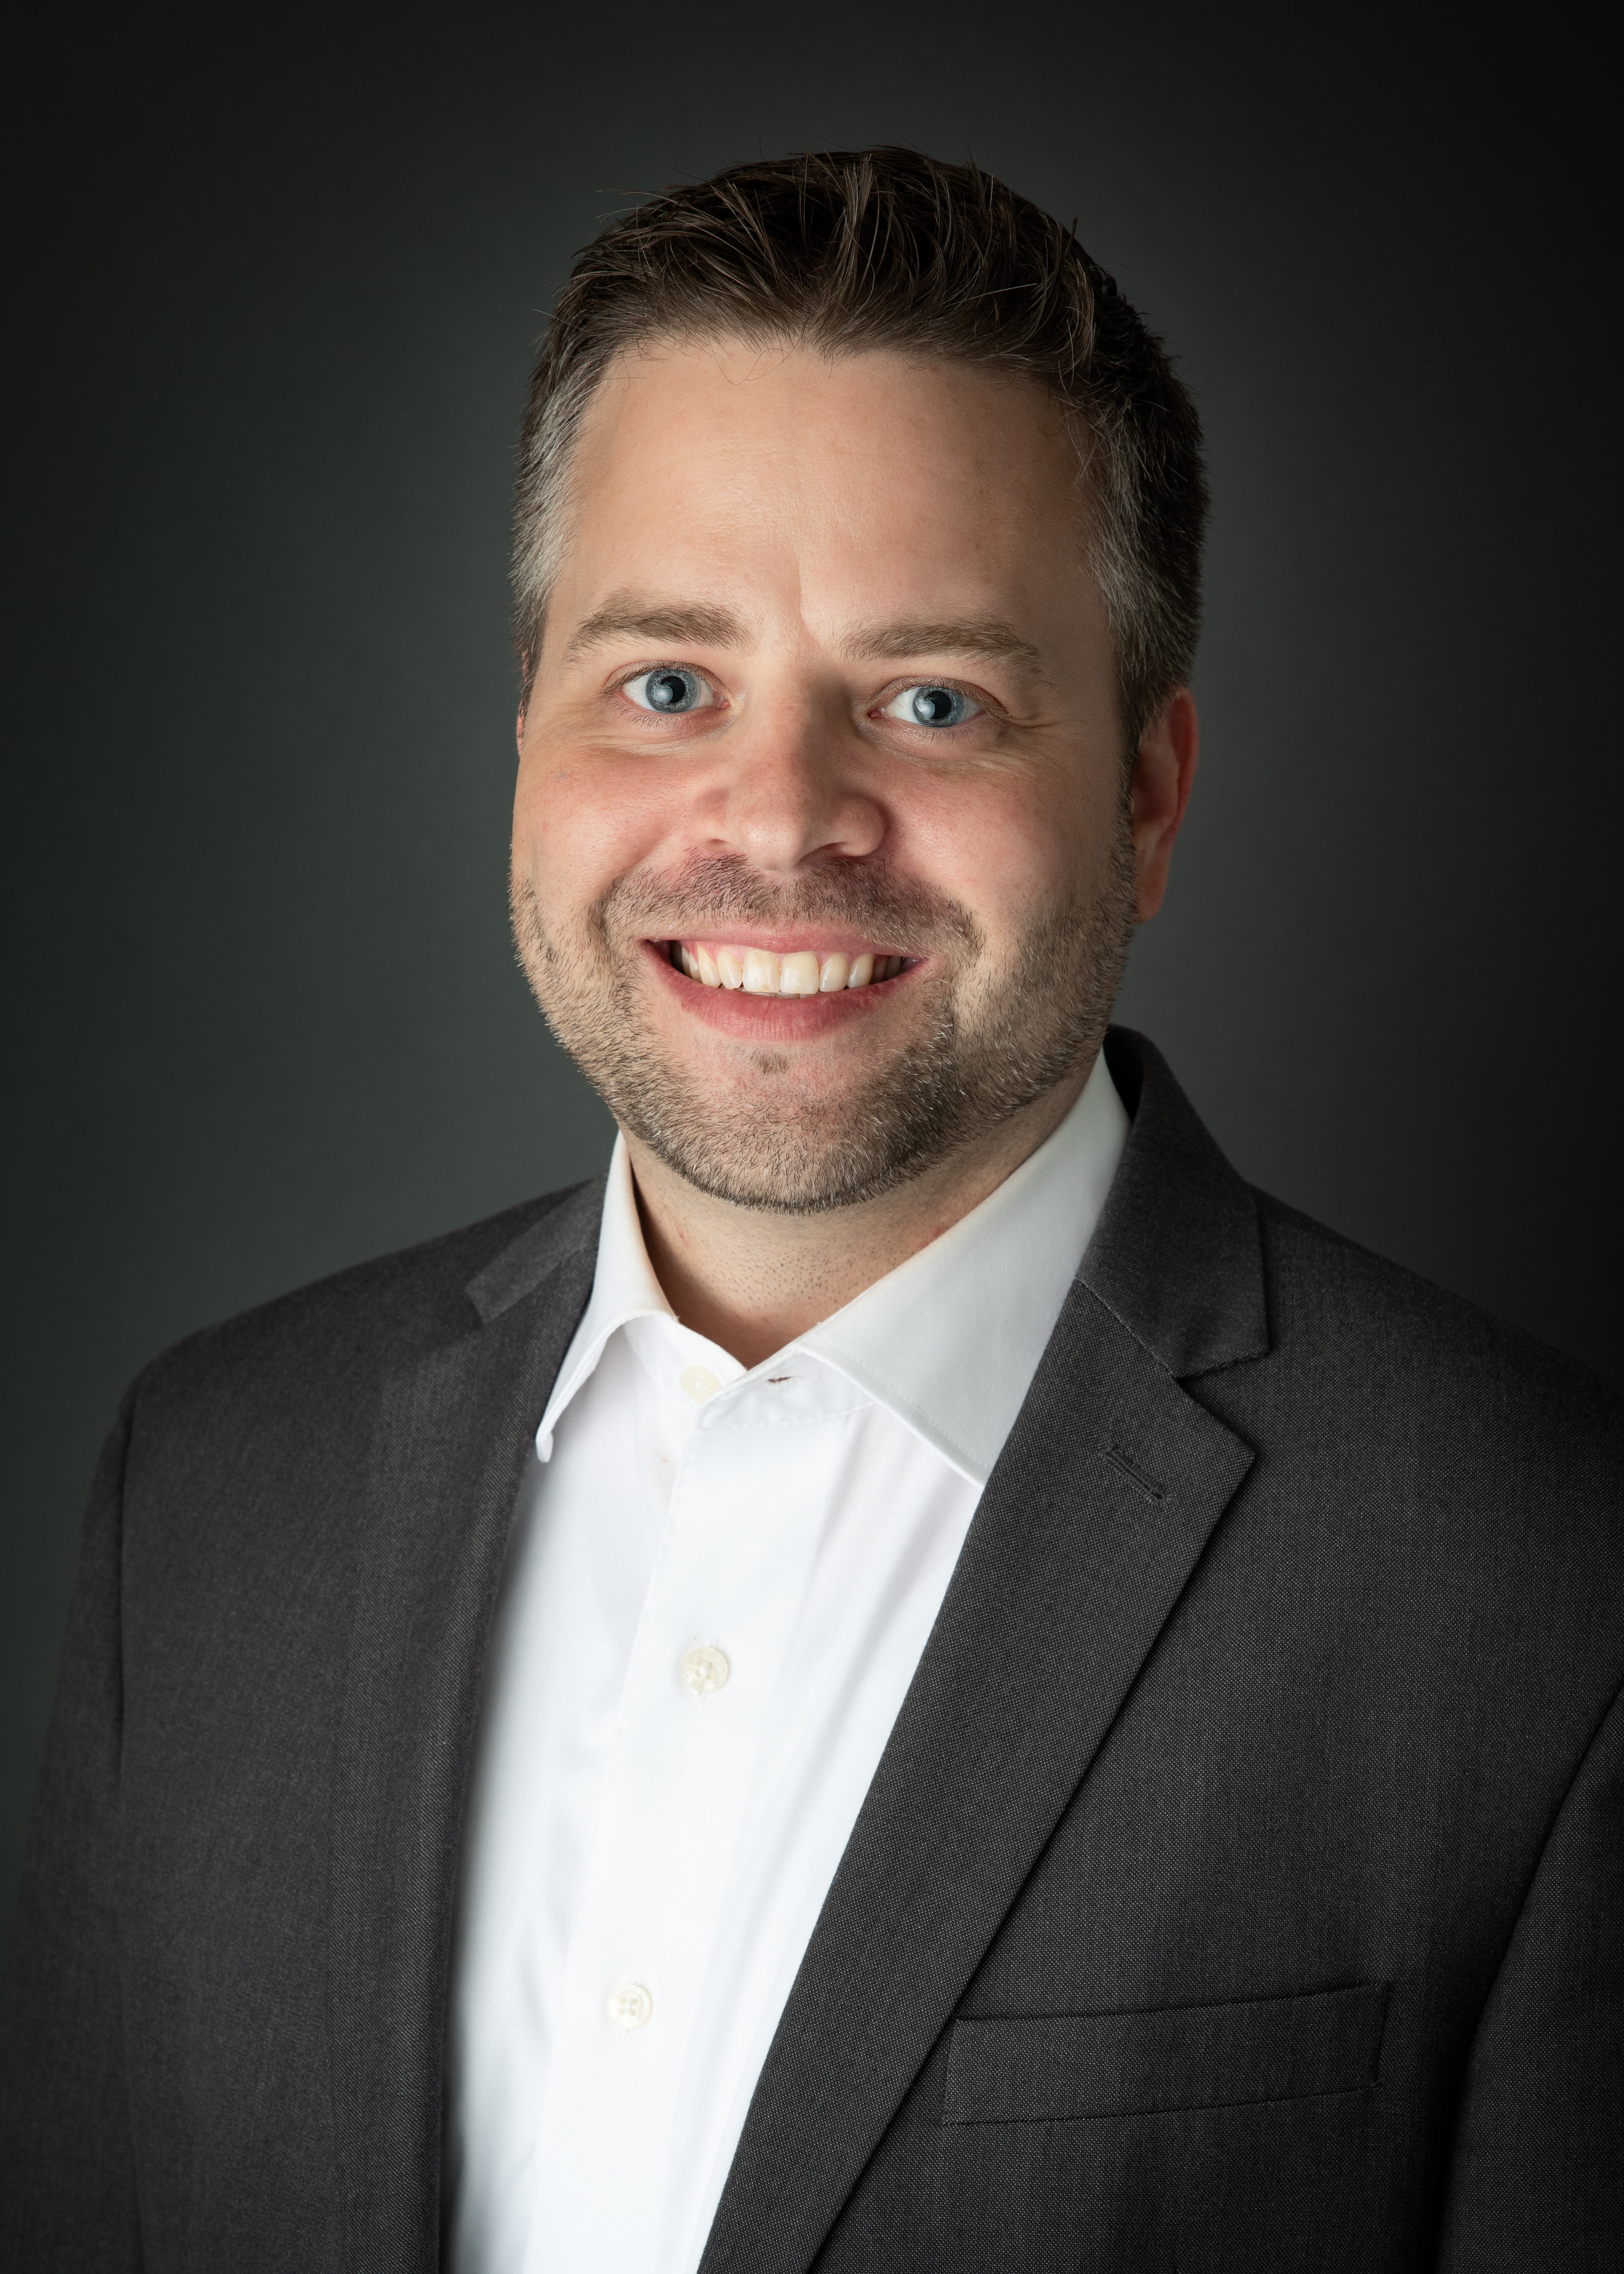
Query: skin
[[813, 537]]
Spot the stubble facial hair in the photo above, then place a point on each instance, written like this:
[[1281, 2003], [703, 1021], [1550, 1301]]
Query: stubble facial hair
[[995, 1039]]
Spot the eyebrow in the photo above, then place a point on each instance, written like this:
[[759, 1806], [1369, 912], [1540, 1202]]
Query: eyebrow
[[624, 618], [971, 636]]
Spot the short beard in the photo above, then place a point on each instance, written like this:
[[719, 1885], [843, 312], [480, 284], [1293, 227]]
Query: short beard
[[996, 1041]]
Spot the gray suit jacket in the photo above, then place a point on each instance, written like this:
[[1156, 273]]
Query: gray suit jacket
[[1242, 1886]]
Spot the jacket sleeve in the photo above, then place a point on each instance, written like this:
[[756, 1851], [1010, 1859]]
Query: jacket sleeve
[[67, 2174], [1538, 2178]]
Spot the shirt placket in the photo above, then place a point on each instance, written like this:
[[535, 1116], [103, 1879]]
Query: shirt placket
[[718, 1622]]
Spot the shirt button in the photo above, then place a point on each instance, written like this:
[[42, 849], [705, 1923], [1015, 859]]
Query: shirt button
[[630, 2005], [700, 1384], [704, 1669]]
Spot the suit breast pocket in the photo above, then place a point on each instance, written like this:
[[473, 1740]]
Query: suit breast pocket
[[1016, 2068]]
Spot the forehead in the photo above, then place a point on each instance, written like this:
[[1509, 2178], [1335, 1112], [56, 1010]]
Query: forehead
[[858, 480]]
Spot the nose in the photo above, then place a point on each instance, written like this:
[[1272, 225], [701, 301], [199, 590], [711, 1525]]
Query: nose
[[793, 793]]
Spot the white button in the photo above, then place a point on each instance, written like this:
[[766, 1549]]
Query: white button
[[700, 1384], [630, 2005], [704, 1668]]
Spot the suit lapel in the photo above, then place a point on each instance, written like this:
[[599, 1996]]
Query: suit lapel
[[1103, 1500], [448, 1450], [1096, 1513]]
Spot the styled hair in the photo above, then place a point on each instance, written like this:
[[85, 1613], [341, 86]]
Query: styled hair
[[844, 251]]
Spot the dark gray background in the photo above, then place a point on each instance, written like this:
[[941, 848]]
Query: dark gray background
[[280, 280]]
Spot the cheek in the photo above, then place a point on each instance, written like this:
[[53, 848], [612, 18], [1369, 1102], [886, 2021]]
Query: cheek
[[1008, 855], [580, 823]]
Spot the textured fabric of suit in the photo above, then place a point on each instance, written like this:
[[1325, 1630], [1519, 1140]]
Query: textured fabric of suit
[[1242, 1888]]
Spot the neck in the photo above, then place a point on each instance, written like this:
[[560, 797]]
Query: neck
[[751, 1281]]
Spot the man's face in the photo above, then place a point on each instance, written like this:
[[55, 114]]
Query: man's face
[[824, 706]]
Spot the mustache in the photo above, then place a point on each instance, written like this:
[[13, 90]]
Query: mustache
[[711, 891]]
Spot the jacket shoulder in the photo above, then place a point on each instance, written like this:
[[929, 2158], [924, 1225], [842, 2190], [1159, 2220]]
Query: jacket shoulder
[[1370, 1332], [358, 1322]]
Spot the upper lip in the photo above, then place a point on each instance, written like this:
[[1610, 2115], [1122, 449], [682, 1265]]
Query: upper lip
[[796, 941]]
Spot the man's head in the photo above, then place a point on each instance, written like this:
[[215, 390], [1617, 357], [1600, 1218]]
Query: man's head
[[856, 561]]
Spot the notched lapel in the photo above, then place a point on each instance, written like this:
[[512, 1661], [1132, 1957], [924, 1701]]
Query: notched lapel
[[1179, 1253], [448, 1450], [1103, 1500], [563, 1233]]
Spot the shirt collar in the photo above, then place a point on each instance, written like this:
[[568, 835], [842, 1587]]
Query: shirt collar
[[624, 1288], [949, 1341], [951, 1338]]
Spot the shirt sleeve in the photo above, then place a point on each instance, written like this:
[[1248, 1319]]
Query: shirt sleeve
[[67, 2170], [1537, 2176]]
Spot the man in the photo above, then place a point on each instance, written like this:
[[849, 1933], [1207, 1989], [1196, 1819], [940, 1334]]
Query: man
[[919, 1678]]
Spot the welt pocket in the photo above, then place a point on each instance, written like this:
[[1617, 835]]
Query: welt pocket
[[1012, 2068]]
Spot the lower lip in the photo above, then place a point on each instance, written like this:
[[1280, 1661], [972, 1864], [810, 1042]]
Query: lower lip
[[770, 1017]]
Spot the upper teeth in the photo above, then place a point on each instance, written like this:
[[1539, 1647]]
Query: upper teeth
[[758, 971]]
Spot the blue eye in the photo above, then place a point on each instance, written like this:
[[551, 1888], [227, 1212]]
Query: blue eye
[[671, 688], [929, 704]]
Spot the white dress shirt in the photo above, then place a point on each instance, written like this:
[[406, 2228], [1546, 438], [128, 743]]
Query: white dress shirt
[[718, 1589]]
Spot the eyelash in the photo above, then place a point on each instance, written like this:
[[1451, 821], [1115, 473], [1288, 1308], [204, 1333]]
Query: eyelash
[[983, 703], [623, 679]]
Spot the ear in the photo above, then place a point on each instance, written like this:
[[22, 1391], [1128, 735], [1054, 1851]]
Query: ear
[[525, 697], [1163, 776]]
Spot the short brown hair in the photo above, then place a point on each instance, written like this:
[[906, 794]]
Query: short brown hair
[[847, 250]]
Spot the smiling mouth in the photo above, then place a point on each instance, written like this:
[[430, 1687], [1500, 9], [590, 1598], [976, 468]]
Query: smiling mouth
[[758, 971]]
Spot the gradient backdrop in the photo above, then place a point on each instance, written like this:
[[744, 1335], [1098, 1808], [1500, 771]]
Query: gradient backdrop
[[283, 276]]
